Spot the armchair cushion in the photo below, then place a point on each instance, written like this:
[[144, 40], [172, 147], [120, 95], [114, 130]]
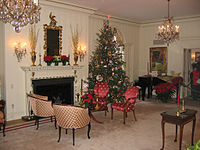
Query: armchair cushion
[[39, 96], [122, 107], [2, 117], [101, 89]]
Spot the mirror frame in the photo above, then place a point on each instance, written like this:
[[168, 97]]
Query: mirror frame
[[52, 26]]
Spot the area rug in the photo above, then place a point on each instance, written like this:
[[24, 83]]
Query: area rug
[[144, 134]]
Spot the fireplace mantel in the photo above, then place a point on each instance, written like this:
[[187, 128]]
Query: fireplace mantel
[[42, 68], [51, 72]]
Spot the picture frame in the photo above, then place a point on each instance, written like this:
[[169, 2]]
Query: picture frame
[[197, 56], [158, 59]]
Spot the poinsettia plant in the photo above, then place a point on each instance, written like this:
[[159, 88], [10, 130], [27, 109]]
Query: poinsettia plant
[[64, 58], [48, 58], [165, 91], [88, 100]]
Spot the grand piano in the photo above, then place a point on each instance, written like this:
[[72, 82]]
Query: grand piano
[[148, 82]]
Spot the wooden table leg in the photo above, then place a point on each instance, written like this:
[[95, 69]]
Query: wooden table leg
[[93, 118], [175, 140], [193, 127], [163, 134], [181, 135]]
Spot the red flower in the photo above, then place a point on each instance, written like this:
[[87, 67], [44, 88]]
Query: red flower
[[87, 98], [48, 58], [165, 90], [64, 58]]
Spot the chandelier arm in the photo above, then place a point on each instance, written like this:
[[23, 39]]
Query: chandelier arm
[[168, 9]]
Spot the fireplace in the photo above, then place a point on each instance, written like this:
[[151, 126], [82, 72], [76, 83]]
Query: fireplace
[[59, 90]]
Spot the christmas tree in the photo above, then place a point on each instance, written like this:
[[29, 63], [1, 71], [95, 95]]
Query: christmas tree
[[107, 64]]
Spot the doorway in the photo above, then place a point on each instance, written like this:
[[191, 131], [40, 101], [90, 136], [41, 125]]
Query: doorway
[[190, 57]]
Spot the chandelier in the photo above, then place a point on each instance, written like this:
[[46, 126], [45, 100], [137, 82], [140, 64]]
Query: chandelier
[[19, 12], [167, 32]]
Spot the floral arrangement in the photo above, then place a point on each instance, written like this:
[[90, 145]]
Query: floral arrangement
[[33, 37], [48, 59], [88, 100], [56, 59], [194, 147], [75, 39], [165, 91], [64, 58]]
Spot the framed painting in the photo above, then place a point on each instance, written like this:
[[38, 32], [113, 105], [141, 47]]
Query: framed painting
[[197, 56], [158, 59]]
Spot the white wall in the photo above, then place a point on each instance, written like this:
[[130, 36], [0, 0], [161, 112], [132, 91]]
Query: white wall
[[14, 76], [189, 38], [2, 68]]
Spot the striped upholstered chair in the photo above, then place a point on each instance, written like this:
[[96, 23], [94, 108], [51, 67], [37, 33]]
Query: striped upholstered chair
[[71, 117], [2, 116], [129, 104], [41, 107]]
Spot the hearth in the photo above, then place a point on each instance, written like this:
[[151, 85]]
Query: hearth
[[59, 90]]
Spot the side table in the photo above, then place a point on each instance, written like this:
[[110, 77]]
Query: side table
[[184, 118]]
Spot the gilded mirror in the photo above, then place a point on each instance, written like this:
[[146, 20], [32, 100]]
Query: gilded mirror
[[52, 38]]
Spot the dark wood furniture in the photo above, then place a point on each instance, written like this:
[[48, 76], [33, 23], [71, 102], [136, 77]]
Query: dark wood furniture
[[184, 118], [149, 82], [2, 116]]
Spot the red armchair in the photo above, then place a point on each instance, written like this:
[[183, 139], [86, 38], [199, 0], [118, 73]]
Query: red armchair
[[101, 91], [129, 104]]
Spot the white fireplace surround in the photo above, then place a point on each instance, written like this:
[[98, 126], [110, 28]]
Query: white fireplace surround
[[50, 72]]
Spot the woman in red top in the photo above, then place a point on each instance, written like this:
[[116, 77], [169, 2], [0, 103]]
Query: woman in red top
[[195, 75]]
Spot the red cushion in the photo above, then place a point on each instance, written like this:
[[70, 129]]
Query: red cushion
[[101, 89], [131, 94], [121, 107]]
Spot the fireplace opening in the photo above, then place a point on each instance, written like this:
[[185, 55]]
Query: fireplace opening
[[59, 90]]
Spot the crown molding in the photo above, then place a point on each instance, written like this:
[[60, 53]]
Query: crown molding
[[65, 5], [177, 19], [114, 18]]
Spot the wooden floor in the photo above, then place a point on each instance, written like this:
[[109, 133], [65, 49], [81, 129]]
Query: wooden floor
[[13, 122]]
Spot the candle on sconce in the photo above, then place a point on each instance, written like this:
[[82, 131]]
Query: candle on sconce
[[148, 68]]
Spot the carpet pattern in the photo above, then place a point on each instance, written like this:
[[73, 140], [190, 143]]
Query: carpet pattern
[[144, 134]]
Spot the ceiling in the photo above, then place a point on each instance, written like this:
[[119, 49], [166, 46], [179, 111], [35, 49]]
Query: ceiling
[[141, 10]]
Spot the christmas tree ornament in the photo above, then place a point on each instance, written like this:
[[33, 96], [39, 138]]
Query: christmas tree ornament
[[99, 78], [105, 66], [111, 78], [98, 66], [109, 53]]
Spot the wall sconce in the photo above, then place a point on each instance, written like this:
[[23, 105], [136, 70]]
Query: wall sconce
[[82, 52], [20, 50], [193, 56]]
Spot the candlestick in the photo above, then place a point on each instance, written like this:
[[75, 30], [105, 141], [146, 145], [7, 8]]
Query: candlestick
[[81, 86], [183, 105], [40, 59], [178, 98]]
